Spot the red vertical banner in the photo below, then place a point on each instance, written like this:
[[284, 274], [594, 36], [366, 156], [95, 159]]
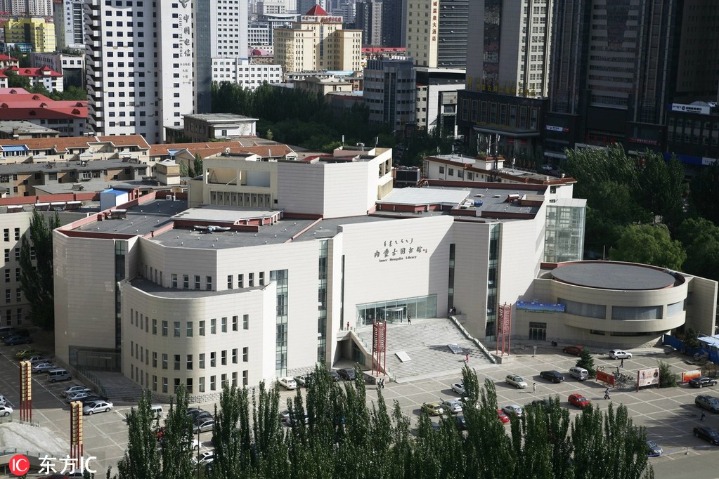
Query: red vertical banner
[[504, 329], [25, 391], [379, 347]]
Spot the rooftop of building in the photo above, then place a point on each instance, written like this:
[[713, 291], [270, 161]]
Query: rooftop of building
[[219, 117], [19, 104], [155, 289], [139, 220], [45, 71], [64, 144], [55, 166], [21, 127], [613, 275]]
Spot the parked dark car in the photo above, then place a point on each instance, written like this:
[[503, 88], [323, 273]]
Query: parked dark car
[[702, 382], [334, 375], [654, 449], [348, 374], [461, 423], [708, 434], [710, 403], [553, 376], [15, 340]]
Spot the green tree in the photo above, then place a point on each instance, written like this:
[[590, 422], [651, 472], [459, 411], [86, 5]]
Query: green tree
[[667, 379], [16, 81], [700, 238], [649, 244], [586, 361], [177, 451], [36, 270], [704, 192], [141, 456]]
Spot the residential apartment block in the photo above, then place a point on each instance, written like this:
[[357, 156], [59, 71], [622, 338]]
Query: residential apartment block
[[140, 66], [241, 72], [317, 42], [38, 32]]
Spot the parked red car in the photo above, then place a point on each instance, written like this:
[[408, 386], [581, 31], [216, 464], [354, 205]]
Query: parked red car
[[578, 400]]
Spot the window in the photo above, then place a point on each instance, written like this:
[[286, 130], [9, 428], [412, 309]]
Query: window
[[6, 234], [251, 280], [245, 380], [202, 328], [164, 385], [245, 321], [197, 282], [154, 383], [176, 329], [235, 323], [223, 357], [234, 356], [209, 283], [234, 379], [164, 360], [213, 359], [7, 255], [164, 327], [189, 385], [240, 280], [154, 326], [17, 234], [229, 281], [223, 378], [224, 324], [185, 281], [202, 361], [154, 359], [174, 282], [189, 361], [213, 386], [177, 385], [201, 384], [188, 329], [245, 355], [262, 278], [213, 326], [177, 362]]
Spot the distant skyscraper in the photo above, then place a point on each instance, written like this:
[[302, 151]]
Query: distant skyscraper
[[33, 8], [69, 20], [510, 53], [369, 19], [390, 92], [139, 64], [614, 68], [393, 24], [437, 32]]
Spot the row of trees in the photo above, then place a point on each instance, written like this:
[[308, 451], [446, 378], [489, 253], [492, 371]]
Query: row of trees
[[643, 210], [299, 118], [343, 437]]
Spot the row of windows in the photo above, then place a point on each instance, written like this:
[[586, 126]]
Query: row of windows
[[143, 355], [143, 377], [8, 316], [6, 234], [18, 295], [143, 322]]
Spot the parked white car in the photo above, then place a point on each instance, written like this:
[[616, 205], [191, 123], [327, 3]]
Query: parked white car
[[287, 383], [619, 354], [459, 388], [95, 407], [5, 410], [75, 389], [76, 396], [516, 380]]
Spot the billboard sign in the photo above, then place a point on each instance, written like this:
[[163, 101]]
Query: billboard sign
[[648, 377]]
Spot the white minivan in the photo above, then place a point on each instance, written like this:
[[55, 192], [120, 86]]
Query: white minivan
[[156, 410], [578, 373]]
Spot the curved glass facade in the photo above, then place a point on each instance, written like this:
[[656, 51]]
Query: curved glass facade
[[622, 313], [587, 310]]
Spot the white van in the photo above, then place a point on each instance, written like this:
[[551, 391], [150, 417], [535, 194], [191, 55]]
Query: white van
[[578, 373], [55, 375], [156, 410]]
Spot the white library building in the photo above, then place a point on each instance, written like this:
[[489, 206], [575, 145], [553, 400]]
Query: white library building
[[264, 267]]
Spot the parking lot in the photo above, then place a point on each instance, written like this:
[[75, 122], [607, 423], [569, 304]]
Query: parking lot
[[669, 415]]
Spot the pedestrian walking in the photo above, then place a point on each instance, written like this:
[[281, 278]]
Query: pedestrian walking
[[348, 325], [606, 394], [534, 387], [703, 416], [409, 319], [466, 358], [621, 364]]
